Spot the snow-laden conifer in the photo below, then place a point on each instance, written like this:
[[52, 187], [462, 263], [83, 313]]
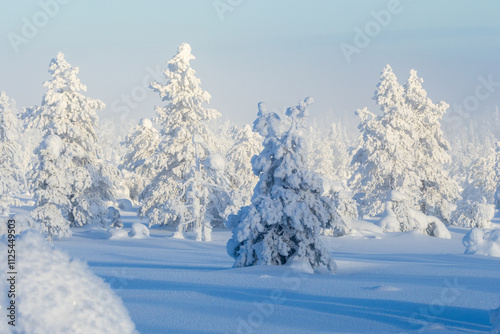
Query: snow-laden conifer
[[12, 179], [438, 191], [287, 211], [136, 165], [173, 194], [239, 166], [385, 160], [71, 116]]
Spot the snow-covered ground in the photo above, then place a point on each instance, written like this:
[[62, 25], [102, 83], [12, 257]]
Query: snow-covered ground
[[386, 282]]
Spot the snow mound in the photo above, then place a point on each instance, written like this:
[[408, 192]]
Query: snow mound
[[483, 242], [139, 230], [399, 216], [125, 204], [495, 320], [95, 232], [60, 295], [116, 233]]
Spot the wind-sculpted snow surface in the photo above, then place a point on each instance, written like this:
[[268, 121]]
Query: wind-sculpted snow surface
[[59, 295], [483, 242], [495, 320]]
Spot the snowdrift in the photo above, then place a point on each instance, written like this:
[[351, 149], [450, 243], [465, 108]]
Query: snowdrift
[[59, 295], [483, 242]]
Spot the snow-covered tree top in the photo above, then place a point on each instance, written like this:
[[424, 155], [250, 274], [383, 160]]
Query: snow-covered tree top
[[389, 92], [182, 93], [146, 123], [267, 124], [64, 77]]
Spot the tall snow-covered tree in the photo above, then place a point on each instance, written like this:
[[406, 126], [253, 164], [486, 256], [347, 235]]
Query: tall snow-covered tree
[[385, 160], [65, 112], [239, 166], [186, 139], [438, 191], [404, 150], [12, 179], [52, 203], [136, 164], [283, 222]]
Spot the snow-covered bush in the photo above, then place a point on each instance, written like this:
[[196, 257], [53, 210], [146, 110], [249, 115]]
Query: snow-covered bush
[[139, 230], [60, 295], [399, 216], [483, 242], [12, 179], [114, 218], [474, 214], [287, 211]]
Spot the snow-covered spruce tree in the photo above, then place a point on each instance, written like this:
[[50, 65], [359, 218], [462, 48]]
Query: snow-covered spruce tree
[[239, 166], [12, 179], [385, 159], [330, 157], [204, 193], [476, 209], [51, 187], [182, 119], [68, 114], [283, 222], [136, 165], [438, 191]]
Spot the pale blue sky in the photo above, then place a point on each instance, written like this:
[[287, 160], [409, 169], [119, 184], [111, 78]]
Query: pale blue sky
[[272, 51]]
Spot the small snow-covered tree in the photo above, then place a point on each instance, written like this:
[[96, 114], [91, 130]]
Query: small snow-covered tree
[[476, 209], [52, 205], [287, 212], [137, 166], [239, 167], [181, 120], [438, 191], [68, 114], [330, 157], [12, 179], [385, 160]]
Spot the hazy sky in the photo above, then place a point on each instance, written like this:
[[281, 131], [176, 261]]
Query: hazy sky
[[255, 50]]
